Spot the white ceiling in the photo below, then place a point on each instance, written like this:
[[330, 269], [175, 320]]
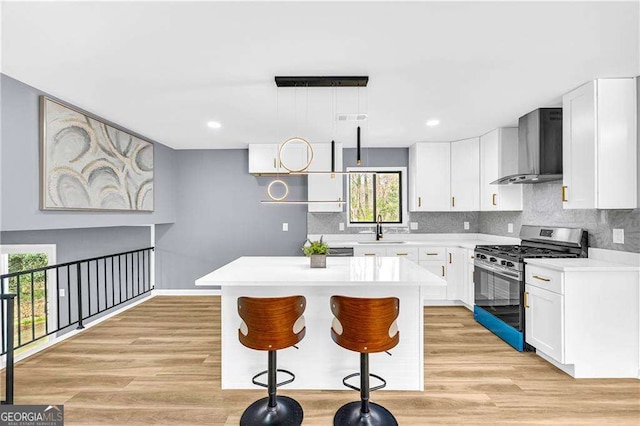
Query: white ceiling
[[165, 69]]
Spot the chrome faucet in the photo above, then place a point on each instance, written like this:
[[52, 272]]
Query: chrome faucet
[[379, 228]]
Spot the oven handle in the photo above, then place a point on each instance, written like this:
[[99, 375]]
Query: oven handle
[[497, 271]]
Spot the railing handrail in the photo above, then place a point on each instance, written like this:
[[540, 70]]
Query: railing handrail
[[63, 265]]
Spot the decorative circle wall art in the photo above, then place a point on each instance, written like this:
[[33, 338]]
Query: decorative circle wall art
[[87, 164]]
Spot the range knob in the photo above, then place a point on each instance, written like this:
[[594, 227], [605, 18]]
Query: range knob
[[493, 259], [482, 256], [503, 262], [510, 264]]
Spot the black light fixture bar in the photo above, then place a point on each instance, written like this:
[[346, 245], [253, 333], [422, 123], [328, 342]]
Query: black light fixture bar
[[358, 159], [322, 81], [333, 156]]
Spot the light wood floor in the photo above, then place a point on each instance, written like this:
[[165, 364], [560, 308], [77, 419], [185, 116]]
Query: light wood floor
[[159, 363]]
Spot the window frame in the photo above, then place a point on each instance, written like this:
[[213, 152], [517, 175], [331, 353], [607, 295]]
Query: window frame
[[404, 214]]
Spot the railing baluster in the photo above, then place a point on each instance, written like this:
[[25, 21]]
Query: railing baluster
[[9, 369], [33, 310], [144, 270], [113, 284], [80, 324], [69, 293], [139, 269], [5, 320], [46, 306], [57, 297], [19, 311], [97, 286], [104, 270], [126, 274], [120, 278]]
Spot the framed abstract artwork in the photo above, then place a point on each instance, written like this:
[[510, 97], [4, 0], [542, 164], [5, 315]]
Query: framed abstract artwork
[[86, 164]]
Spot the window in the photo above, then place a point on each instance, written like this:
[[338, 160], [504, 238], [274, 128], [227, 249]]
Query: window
[[380, 193]]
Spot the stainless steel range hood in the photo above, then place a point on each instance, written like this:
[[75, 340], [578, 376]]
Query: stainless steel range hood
[[539, 148]]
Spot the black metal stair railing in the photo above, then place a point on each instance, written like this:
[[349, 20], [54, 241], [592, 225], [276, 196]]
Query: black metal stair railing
[[81, 289]]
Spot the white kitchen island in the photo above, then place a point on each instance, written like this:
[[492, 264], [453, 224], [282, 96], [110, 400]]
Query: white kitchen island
[[319, 363]]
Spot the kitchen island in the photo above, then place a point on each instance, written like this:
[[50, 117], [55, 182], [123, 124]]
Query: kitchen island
[[319, 363]]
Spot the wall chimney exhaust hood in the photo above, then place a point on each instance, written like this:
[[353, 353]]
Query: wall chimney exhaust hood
[[539, 148]]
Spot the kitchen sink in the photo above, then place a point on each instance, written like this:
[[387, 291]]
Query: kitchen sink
[[382, 242]]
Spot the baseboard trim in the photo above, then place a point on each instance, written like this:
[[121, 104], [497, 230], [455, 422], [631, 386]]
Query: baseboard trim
[[186, 292], [55, 340]]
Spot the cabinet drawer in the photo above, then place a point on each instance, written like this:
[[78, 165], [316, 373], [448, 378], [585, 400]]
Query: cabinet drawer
[[369, 251], [432, 253], [545, 278], [410, 253]]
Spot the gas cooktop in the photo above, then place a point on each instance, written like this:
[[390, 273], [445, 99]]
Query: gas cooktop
[[522, 252]]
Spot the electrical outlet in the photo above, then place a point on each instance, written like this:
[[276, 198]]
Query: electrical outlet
[[413, 225], [466, 225], [341, 226], [285, 226], [510, 228], [618, 236], [62, 292]]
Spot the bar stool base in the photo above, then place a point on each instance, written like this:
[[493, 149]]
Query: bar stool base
[[350, 415], [287, 412]]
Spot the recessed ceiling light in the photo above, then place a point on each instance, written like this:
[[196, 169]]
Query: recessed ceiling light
[[214, 124], [433, 122]]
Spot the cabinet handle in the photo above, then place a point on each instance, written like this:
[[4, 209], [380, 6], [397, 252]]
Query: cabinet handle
[[432, 254], [537, 277], [493, 199], [369, 254], [443, 270], [453, 201], [402, 254], [564, 194], [274, 164], [419, 201], [450, 259], [526, 299], [473, 257]]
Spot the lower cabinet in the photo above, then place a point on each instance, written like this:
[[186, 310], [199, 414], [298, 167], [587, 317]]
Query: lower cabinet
[[544, 321], [467, 289]]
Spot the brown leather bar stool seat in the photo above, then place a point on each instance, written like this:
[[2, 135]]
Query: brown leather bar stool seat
[[365, 326], [271, 324]]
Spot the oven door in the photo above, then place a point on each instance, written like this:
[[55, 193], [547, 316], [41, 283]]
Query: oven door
[[499, 292]]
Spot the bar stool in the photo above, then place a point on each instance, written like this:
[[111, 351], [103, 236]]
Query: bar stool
[[270, 324], [365, 326]]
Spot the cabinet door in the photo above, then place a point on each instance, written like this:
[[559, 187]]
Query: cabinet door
[[509, 196], [433, 174], [321, 187], [436, 268], [263, 158], [579, 148], [465, 175], [489, 170], [455, 273], [544, 321]]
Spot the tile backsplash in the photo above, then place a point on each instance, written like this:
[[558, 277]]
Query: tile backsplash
[[543, 206]]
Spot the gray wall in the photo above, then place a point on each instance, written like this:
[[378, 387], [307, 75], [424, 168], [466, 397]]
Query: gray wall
[[444, 222], [543, 206], [219, 217], [20, 174]]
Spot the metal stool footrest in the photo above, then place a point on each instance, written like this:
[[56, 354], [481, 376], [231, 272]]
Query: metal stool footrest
[[264, 385], [355, 388]]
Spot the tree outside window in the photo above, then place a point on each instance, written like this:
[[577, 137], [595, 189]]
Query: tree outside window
[[373, 194]]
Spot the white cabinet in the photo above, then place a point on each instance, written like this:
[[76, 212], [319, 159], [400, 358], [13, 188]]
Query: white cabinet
[[455, 272], [465, 175], [544, 317], [265, 158], [467, 290], [584, 321], [430, 177], [499, 158], [324, 187], [599, 144], [369, 250]]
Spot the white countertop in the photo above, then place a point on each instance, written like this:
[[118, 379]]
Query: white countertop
[[582, 265], [295, 271]]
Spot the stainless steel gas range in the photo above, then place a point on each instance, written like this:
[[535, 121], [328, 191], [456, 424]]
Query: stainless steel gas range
[[499, 277]]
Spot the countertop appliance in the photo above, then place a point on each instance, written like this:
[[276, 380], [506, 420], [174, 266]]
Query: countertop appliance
[[539, 148], [340, 252], [499, 276]]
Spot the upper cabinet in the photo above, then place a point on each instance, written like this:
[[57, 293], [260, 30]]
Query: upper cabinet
[[265, 158], [465, 175], [599, 144], [498, 158], [429, 177], [325, 186]]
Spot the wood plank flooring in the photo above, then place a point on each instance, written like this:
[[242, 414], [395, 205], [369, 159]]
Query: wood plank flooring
[[159, 363]]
